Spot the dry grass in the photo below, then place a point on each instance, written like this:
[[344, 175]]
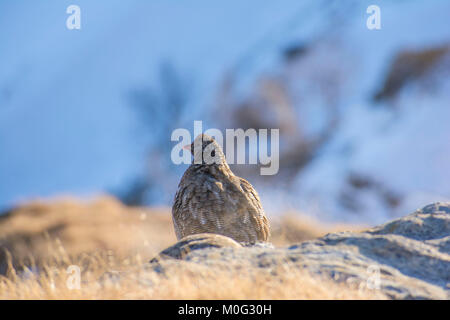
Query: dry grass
[[189, 282], [294, 228], [111, 243]]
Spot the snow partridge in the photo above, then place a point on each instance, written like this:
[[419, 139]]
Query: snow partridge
[[211, 199]]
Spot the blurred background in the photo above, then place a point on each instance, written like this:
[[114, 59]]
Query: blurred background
[[364, 115]]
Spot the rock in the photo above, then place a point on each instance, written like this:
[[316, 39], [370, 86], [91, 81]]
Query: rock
[[408, 258], [409, 66], [195, 242]]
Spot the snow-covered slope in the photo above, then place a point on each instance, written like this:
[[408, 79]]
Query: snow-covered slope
[[385, 157], [67, 126]]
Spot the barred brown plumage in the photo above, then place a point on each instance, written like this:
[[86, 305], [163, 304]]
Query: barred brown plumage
[[211, 199]]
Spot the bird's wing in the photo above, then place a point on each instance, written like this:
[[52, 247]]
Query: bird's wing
[[255, 209], [251, 193], [200, 206]]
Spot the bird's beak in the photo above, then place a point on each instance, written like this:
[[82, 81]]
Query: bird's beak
[[187, 147]]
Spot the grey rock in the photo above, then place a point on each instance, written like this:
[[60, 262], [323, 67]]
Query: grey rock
[[195, 242], [408, 258]]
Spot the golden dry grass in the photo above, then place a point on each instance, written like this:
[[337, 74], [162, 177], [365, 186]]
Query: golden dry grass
[[111, 243], [191, 282]]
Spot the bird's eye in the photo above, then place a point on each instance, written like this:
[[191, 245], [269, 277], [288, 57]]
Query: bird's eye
[[213, 153]]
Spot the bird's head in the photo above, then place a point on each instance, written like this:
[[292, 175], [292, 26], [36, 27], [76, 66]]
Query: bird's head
[[206, 150]]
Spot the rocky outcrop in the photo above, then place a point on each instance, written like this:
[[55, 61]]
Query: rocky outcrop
[[408, 258], [409, 66], [195, 242]]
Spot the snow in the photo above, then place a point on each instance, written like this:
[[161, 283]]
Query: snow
[[67, 126]]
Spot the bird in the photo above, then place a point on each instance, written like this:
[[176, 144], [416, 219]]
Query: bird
[[211, 199]]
